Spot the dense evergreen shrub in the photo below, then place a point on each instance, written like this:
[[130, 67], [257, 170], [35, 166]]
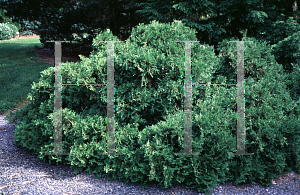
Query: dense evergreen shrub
[[276, 28], [272, 120], [59, 25], [7, 31], [287, 53], [149, 117]]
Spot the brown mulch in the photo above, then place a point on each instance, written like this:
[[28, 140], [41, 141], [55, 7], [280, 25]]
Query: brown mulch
[[47, 55], [68, 54], [22, 37]]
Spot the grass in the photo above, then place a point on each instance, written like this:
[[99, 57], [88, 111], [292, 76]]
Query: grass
[[19, 68]]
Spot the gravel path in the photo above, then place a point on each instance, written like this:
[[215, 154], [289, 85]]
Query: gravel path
[[21, 173]]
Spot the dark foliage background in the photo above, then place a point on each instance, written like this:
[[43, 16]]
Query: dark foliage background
[[272, 76]]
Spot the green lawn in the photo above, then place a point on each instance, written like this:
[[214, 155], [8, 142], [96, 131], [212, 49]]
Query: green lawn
[[18, 71]]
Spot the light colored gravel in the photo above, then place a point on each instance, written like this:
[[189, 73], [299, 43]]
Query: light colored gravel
[[21, 173]]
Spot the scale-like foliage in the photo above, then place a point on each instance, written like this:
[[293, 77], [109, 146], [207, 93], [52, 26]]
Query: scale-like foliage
[[149, 116], [272, 120], [287, 53]]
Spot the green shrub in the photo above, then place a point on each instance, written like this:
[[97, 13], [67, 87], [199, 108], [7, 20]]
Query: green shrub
[[28, 32], [287, 53], [271, 118], [27, 25], [5, 105], [8, 31], [59, 28], [276, 29], [3, 18], [58, 24], [149, 117]]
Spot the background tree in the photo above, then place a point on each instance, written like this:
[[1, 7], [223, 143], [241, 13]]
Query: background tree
[[219, 19], [214, 20], [59, 19]]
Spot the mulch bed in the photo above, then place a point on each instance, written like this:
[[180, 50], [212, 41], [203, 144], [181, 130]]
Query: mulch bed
[[68, 54]]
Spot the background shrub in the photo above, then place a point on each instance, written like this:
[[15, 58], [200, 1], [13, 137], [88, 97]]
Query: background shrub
[[7, 20], [8, 31], [287, 53], [3, 18], [28, 32]]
